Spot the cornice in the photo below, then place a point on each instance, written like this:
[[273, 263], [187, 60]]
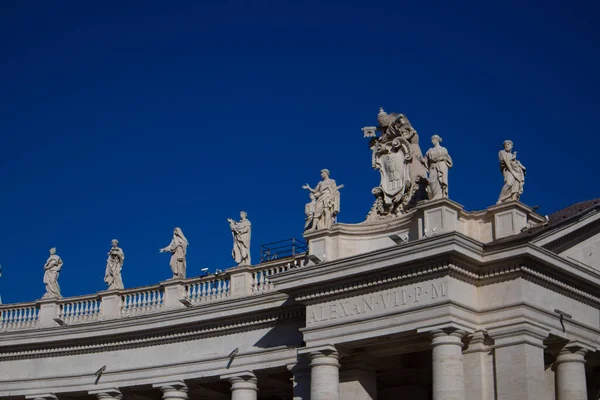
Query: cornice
[[155, 338]]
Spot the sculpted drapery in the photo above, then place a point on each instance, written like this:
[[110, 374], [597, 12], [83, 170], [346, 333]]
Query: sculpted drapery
[[437, 161], [114, 265], [241, 232], [51, 269], [178, 250], [327, 202], [513, 172]]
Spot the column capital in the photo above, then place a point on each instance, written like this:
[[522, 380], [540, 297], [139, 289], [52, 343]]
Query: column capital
[[242, 380], [173, 390], [569, 354], [106, 394], [42, 396], [447, 337]]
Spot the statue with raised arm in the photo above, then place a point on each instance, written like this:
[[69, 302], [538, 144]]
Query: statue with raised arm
[[327, 201], [114, 265], [241, 239], [51, 269], [437, 161], [178, 250], [513, 172]]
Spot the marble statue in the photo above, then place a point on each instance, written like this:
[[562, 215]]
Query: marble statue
[[241, 239], [397, 156], [327, 201], [114, 265], [514, 174], [178, 250], [309, 211], [51, 269], [437, 161]]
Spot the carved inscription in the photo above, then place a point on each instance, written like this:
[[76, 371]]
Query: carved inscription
[[404, 297]]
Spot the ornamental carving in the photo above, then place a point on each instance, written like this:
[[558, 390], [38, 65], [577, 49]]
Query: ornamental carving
[[397, 156]]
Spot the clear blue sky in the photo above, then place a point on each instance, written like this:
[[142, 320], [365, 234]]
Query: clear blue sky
[[126, 119]]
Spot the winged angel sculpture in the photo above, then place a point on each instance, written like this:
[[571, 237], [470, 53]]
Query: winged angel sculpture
[[397, 156]]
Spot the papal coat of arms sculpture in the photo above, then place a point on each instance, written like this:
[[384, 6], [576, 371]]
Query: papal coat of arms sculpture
[[398, 157]]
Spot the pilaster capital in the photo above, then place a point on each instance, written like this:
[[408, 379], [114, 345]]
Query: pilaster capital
[[477, 342], [106, 394], [517, 334]]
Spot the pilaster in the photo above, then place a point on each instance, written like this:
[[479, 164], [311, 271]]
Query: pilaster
[[478, 362]]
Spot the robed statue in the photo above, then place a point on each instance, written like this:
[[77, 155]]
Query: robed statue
[[51, 269], [114, 265], [513, 172], [178, 250], [437, 161], [241, 239], [327, 202]]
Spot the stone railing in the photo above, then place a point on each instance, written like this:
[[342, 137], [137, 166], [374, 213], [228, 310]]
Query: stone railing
[[109, 305], [18, 316]]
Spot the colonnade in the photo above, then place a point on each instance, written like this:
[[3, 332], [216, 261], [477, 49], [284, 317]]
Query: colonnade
[[319, 378]]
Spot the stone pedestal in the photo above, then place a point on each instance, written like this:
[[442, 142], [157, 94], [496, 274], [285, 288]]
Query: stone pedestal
[[478, 363], [570, 374], [448, 372], [48, 312], [439, 216], [243, 385], [358, 380], [519, 358], [324, 373], [510, 218], [241, 281], [111, 304], [174, 291], [176, 390]]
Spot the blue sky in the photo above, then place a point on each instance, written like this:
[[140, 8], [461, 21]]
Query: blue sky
[[126, 119]]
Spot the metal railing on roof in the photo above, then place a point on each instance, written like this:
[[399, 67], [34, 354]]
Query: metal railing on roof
[[281, 249]]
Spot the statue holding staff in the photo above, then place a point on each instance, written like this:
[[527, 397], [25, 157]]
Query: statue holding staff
[[241, 239], [114, 265], [178, 250]]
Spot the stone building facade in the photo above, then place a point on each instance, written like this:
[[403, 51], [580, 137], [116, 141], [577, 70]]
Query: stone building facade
[[437, 303]]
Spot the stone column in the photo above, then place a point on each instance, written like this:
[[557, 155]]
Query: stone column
[[175, 390], [519, 364], [448, 372], [570, 374], [107, 394], [243, 385], [324, 374], [478, 362]]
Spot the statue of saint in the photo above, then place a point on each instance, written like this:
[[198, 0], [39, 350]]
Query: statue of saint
[[51, 269], [309, 211], [178, 250], [114, 264], [437, 161], [241, 239], [514, 174], [327, 201]]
